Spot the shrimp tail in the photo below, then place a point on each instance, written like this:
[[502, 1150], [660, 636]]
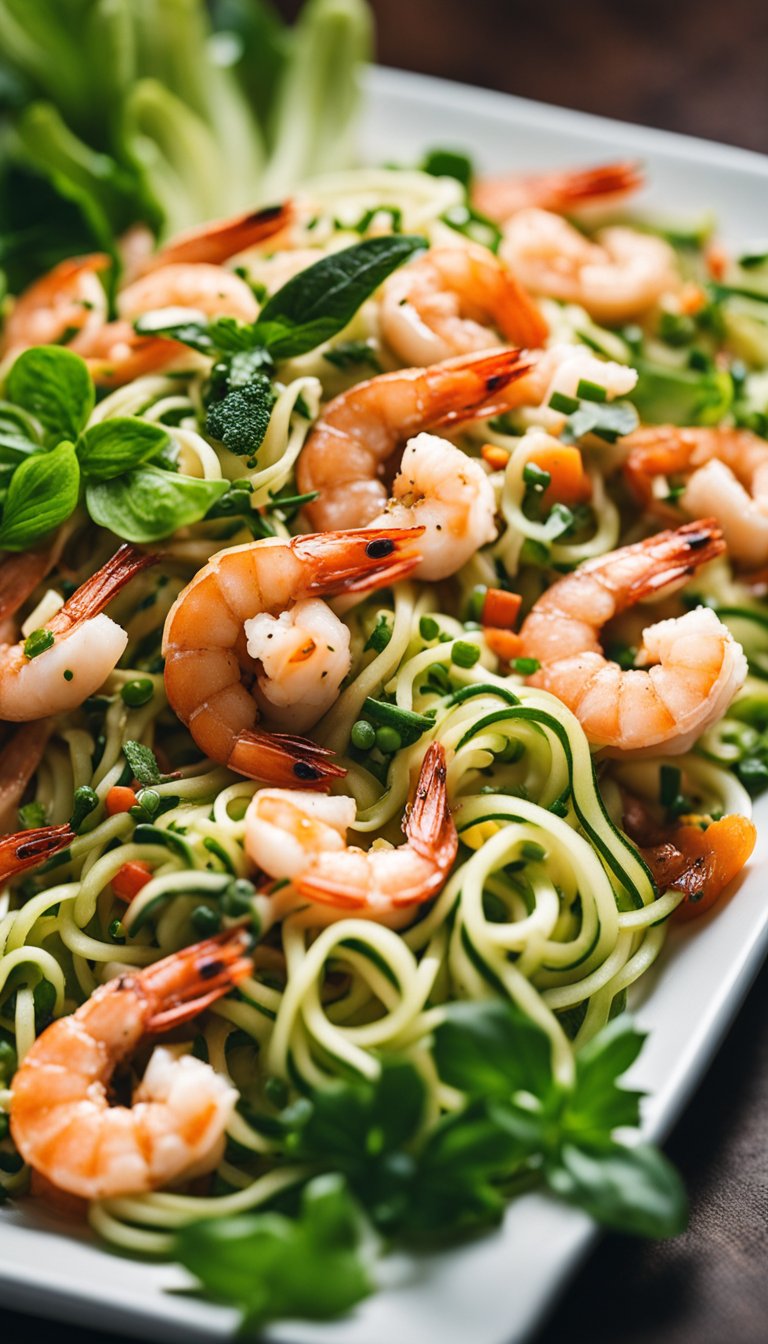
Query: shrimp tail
[[492, 372], [182, 985], [500, 197], [676, 555], [25, 849], [362, 558], [216, 242], [283, 760], [429, 826], [97, 592]]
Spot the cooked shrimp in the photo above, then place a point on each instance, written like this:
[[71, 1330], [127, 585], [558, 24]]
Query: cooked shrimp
[[249, 637], [564, 192], [726, 475], [62, 1121], [448, 494], [20, 574], [25, 849], [19, 758], [302, 836], [69, 304], [689, 668], [617, 278], [453, 300], [211, 290], [358, 434], [85, 647], [220, 239]]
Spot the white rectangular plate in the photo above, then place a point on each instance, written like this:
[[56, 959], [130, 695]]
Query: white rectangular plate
[[497, 1289]]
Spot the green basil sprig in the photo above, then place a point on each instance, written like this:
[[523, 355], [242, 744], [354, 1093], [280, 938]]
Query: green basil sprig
[[54, 385], [149, 503], [42, 493]]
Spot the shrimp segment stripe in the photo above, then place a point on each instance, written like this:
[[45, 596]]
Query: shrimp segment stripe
[[633, 873]]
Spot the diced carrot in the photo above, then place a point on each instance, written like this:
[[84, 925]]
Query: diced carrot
[[717, 260], [691, 299], [504, 643], [501, 608], [569, 482], [129, 880], [715, 857], [119, 799], [494, 456]]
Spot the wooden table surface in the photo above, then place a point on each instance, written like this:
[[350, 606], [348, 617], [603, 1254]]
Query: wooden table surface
[[700, 68]]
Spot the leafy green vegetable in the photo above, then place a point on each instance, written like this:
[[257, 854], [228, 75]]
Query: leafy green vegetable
[[608, 421], [494, 1052], [150, 503], [312, 1267], [631, 1189], [321, 300], [449, 163], [681, 396], [55, 386], [143, 763], [42, 493], [117, 445]]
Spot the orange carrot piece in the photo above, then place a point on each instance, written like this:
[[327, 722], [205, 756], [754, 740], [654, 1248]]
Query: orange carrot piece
[[129, 880], [494, 456], [569, 482], [504, 643], [501, 609], [716, 259], [119, 799]]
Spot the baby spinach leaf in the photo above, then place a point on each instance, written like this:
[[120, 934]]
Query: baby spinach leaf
[[310, 1267], [149, 503], [117, 445], [320, 301], [54, 385], [632, 1189], [42, 492]]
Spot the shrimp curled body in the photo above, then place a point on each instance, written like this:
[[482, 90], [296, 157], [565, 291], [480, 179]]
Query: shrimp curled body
[[689, 669], [249, 637], [302, 836], [359, 433], [61, 1118]]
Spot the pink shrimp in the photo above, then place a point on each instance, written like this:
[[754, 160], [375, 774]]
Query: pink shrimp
[[564, 192], [25, 849]]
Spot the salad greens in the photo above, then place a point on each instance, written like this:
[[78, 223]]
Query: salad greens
[[123, 111], [518, 1127]]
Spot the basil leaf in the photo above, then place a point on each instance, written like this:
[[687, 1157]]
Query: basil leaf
[[43, 492], [54, 385], [597, 1105], [310, 1267], [117, 445], [320, 301], [631, 1189], [492, 1050], [149, 503]]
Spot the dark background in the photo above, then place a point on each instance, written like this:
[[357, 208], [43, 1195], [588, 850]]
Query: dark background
[[700, 68]]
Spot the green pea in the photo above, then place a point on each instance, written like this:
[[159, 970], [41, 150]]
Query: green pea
[[388, 740], [205, 921], [137, 692], [428, 627], [149, 800], [363, 735], [238, 897], [464, 654]]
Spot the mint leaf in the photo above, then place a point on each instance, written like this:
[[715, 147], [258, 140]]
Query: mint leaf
[[42, 493], [149, 503], [630, 1189], [321, 300], [310, 1267], [143, 763], [54, 385], [117, 445]]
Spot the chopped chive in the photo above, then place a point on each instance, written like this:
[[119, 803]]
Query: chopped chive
[[85, 801], [116, 931], [533, 852], [362, 735], [464, 654], [536, 476], [669, 785], [238, 897], [534, 553], [379, 636], [591, 391], [526, 666], [428, 628], [566, 405], [220, 853], [37, 643], [291, 501], [205, 921]]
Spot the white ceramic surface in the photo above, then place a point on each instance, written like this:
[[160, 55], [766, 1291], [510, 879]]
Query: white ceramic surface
[[496, 1290]]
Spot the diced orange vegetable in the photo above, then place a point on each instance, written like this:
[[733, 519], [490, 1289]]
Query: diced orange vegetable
[[119, 799], [501, 608], [129, 880], [569, 482], [494, 456], [716, 856], [717, 260], [691, 299], [504, 643]]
